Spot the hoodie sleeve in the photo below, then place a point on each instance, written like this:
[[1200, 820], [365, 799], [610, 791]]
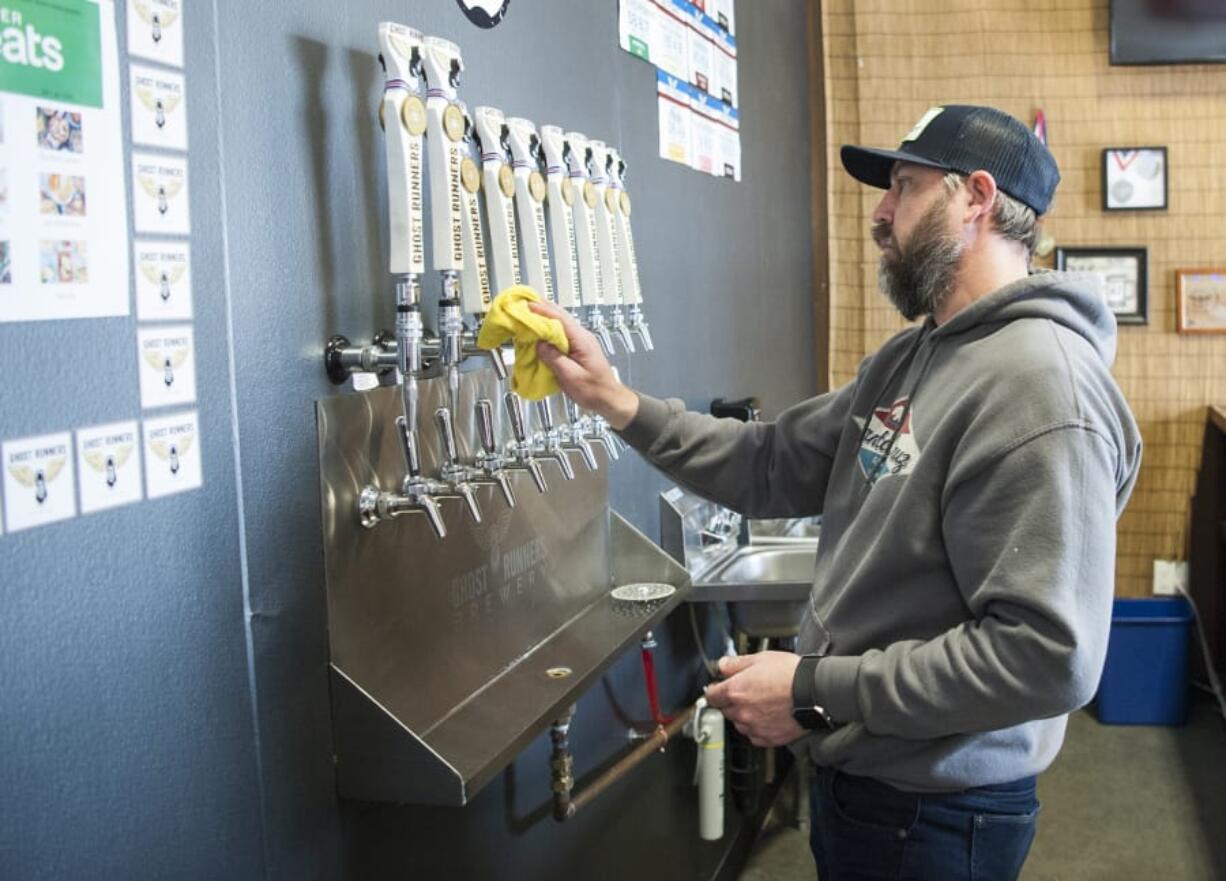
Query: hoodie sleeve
[[760, 469], [1031, 541]]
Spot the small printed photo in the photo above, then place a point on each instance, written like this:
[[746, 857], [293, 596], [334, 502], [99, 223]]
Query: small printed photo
[[6, 263], [63, 262], [62, 194], [59, 130]]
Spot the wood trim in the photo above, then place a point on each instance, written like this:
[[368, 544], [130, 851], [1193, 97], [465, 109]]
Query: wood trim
[[818, 196]]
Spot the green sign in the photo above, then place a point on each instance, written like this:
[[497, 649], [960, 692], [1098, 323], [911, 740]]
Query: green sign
[[52, 49], [639, 48]]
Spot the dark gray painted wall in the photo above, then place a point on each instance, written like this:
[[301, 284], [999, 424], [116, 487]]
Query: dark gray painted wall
[[163, 667]]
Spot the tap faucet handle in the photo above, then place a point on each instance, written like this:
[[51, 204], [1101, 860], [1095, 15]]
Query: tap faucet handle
[[485, 424], [516, 412], [623, 334], [500, 366], [544, 415], [434, 516], [572, 409], [446, 427], [408, 444], [538, 475]]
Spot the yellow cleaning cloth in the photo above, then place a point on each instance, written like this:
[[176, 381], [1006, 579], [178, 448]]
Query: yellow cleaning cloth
[[510, 318]]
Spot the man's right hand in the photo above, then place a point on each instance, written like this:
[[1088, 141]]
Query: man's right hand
[[584, 374]]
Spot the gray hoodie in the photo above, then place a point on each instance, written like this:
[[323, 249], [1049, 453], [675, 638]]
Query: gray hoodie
[[969, 480]]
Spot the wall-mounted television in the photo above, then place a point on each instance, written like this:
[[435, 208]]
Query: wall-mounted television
[[1168, 31]]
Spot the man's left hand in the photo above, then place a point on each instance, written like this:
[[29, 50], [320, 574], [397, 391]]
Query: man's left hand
[[756, 696]]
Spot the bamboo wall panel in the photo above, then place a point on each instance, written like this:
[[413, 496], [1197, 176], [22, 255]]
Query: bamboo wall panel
[[887, 61]]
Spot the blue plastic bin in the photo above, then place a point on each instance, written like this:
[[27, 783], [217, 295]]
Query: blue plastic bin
[[1145, 680]]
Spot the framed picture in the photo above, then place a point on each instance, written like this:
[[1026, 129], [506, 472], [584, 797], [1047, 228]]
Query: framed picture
[[1200, 300], [1124, 276], [1134, 179]]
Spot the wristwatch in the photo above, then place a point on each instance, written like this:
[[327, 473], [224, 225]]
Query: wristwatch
[[805, 708]]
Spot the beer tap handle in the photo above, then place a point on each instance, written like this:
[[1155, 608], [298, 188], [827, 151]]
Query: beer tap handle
[[500, 366], [485, 428], [623, 334], [515, 411], [461, 485], [408, 444], [605, 339], [434, 516], [543, 414], [552, 447], [640, 327], [447, 428], [572, 410]]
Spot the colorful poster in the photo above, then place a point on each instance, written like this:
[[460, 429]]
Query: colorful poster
[[636, 26], [673, 97], [38, 481], [172, 455], [159, 108], [63, 205], [163, 281], [701, 52], [725, 86], [671, 48], [159, 194], [108, 466], [167, 364], [155, 30]]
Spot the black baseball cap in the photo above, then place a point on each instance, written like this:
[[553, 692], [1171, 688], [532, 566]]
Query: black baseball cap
[[966, 138]]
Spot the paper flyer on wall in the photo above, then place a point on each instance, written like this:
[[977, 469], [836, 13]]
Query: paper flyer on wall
[[108, 466], [155, 30], [673, 97], [39, 486], [159, 108], [63, 207], [172, 455], [163, 280]]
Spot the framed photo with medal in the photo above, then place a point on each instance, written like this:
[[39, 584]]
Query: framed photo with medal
[[1200, 300], [1125, 279], [1134, 179]]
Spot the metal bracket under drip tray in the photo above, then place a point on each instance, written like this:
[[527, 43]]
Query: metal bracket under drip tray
[[449, 657]]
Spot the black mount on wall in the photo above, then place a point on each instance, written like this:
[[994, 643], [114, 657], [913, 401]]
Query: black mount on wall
[[484, 13]]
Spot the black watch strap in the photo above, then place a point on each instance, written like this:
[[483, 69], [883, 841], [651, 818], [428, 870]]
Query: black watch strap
[[804, 690], [805, 708]]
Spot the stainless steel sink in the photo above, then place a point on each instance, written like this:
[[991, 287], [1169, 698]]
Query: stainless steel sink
[[766, 587]]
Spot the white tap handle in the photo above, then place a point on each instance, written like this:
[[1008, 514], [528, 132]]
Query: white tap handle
[[587, 248], [530, 193], [403, 108], [562, 196], [623, 239], [445, 151], [499, 185], [609, 269], [475, 294]]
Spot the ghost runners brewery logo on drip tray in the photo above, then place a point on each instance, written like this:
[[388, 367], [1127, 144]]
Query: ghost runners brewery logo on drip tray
[[889, 437]]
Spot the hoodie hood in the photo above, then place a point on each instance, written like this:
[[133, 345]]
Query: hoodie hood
[[1076, 300]]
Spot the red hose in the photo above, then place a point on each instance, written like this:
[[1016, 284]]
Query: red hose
[[653, 694]]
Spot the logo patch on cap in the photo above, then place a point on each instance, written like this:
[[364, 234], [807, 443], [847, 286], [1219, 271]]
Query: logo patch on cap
[[933, 113]]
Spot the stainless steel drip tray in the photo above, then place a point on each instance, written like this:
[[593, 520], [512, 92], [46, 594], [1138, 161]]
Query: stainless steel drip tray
[[758, 573], [381, 759]]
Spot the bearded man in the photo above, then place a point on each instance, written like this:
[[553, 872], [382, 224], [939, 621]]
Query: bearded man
[[969, 480]]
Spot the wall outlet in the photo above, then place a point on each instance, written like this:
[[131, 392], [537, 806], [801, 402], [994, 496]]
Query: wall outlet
[[1170, 577]]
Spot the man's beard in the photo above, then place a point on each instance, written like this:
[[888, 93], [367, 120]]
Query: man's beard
[[919, 278]]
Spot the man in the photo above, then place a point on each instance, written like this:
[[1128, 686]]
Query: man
[[969, 480]]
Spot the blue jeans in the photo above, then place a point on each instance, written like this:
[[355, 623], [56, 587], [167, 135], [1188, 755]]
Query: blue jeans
[[865, 830]]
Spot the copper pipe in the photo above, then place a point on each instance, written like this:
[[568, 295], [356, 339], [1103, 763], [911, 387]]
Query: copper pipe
[[564, 806]]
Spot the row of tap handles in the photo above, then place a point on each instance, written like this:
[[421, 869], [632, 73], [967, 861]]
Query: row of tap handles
[[523, 176]]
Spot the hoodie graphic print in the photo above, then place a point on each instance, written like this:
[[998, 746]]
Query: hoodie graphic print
[[969, 480]]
